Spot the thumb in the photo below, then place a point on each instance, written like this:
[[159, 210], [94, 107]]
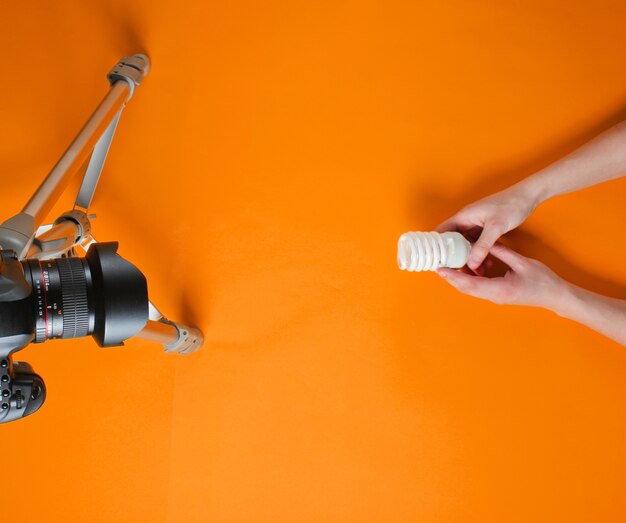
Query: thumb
[[481, 248]]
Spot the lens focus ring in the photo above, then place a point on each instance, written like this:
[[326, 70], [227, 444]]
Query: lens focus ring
[[74, 295]]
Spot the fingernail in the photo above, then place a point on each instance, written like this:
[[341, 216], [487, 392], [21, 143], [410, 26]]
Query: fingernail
[[473, 262]]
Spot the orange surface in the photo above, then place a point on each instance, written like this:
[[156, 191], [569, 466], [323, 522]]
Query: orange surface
[[260, 179]]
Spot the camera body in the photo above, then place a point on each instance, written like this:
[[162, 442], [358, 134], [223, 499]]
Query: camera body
[[101, 295]]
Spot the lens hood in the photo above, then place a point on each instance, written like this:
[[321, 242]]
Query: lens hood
[[120, 295]]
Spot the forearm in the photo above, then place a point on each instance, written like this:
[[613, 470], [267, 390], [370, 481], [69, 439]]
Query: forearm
[[601, 313], [600, 160]]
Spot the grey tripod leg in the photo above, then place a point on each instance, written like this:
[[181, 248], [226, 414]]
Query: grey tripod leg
[[174, 336], [18, 232], [96, 163]]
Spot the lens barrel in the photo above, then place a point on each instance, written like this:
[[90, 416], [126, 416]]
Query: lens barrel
[[61, 292], [101, 295]]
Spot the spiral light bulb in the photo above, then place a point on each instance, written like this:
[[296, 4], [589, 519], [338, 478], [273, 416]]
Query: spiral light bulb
[[427, 251]]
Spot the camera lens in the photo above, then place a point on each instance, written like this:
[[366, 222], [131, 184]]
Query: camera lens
[[62, 294], [101, 295]]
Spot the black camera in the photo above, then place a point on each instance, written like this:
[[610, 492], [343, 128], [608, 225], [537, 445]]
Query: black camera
[[101, 295]]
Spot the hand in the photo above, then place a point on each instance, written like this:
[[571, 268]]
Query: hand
[[528, 281], [488, 219]]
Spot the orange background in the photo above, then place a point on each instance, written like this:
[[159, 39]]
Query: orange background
[[260, 178]]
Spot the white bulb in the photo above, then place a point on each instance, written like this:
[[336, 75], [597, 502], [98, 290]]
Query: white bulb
[[427, 251]]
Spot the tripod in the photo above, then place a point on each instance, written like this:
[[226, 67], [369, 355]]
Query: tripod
[[70, 234]]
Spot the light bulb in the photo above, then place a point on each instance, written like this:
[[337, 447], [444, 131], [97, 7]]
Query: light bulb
[[427, 251]]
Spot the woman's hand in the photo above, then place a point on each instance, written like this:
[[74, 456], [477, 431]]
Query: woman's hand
[[490, 218], [528, 282]]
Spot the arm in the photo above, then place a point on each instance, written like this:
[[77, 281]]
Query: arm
[[601, 313], [600, 160], [530, 282]]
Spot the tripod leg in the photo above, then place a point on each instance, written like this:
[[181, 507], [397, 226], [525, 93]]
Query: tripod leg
[[96, 163], [76, 154], [174, 336], [18, 232], [98, 131]]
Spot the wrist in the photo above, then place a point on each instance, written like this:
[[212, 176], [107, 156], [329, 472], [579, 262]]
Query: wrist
[[565, 301], [533, 190]]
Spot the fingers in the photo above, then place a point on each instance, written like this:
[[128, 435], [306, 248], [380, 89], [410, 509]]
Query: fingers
[[485, 267], [480, 249], [513, 259], [478, 286], [461, 221], [449, 225]]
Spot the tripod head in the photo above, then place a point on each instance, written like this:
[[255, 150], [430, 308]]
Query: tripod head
[[101, 295]]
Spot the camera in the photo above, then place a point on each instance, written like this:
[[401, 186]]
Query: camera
[[101, 295]]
